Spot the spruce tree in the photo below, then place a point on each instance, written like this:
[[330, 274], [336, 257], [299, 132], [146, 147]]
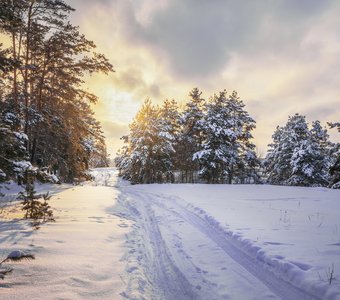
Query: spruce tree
[[334, 170], [190, 136], [169, 137], [150, 145], [227, 153], [298, 156]]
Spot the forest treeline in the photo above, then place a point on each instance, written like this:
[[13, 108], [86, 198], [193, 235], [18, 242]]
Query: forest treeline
[[46, 118], [211, 141], [45, 114]]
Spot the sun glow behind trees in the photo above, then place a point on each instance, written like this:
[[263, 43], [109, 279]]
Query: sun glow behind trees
[[210, 139]]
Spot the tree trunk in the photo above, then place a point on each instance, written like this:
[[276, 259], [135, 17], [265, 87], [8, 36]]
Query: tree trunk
[[28, 45]]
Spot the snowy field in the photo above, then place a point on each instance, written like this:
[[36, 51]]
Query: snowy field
[[113, 240]]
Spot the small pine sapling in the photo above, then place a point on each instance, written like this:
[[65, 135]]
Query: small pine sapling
[[32, 205], [47, 212]]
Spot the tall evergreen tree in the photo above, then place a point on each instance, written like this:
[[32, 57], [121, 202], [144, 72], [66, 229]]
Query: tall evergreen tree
[[170, 127], [190, 137], [334, 170], [226, 144], [214, 140], [50, 58], [150, 146], [298, 156]]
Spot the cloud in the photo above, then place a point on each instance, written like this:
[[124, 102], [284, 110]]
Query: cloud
[[197, 38], [131, 79], [114, 129], [282, 56]]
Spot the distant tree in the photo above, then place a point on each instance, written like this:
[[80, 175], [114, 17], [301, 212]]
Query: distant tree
[[212, 138], [190, 136], [149, 147], [98, 156], [334, 170], [169, 136], [122, 160], [298, 156], [334, 125], [242, 125], [276, 165], [227, 152]]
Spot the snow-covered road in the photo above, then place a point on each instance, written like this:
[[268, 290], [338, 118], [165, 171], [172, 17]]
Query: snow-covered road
[[178, 251], [182, 256], [113, 240]]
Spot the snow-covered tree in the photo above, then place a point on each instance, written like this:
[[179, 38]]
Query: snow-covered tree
[[309, 167], [298, 156], [190, 137], [276, 166], [170, 127], [41, 76], [212, 138], [150, 145], [226, 140], [334, 170], [13, 154], [122, 160]]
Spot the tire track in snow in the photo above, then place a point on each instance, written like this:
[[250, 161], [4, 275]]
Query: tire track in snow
[[280, 287], [168, 281]]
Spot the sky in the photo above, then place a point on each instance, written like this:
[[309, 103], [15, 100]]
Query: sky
[[281, 56]]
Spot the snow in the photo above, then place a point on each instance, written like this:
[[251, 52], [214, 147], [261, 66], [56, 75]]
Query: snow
[[2, 174], [21, 136], [113, 240], [11, 191], [76, 257], [285, 232], [9, 118], [20, 166]]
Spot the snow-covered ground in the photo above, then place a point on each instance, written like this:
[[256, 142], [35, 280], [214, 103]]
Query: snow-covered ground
[[77, 257], [114, 240]]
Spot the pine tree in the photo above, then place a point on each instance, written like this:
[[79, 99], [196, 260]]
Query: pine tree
[[227, 153], [41, 87], [334, 170], [214, 139], [276, 166], [298, 156], [122, 160], [190, 136], [244, 167], [169, 136], [33, 207], [150, 145], [308, 165], [13, 154]]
